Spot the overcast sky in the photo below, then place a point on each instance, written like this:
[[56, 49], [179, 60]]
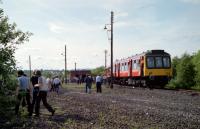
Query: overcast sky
[[139, 25]]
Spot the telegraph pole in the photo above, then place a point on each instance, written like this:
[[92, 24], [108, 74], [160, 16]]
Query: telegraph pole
[[65, 64], [30, 66], [111, 51], [106, 58], [75, 66], [112, 17]]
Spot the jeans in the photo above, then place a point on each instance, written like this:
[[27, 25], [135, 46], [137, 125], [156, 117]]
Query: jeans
[[35, 99], [98, 84], [88, 88]]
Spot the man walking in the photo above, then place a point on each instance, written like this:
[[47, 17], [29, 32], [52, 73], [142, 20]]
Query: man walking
[[57, 84], [43, 89], [21, 92], [98, 83], [88, 84], [34, 81]]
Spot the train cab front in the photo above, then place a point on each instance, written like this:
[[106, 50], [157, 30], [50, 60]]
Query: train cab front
[[157, 67]]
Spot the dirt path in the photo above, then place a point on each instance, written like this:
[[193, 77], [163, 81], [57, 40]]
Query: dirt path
[[120, 108]]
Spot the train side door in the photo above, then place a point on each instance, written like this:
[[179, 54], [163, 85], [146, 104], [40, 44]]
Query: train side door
[[142, 66], [130, 68], [115, 70], [118, 70]]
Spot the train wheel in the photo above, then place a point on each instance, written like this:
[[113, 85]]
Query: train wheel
[[149, 84]]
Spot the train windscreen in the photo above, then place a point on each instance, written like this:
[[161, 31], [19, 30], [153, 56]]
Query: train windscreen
[[158, 62]]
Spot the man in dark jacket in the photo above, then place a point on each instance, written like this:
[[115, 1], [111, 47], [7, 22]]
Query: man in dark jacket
[[88, 84], [34, 81]]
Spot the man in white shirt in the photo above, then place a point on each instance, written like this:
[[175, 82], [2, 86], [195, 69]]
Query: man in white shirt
[[98, 83], [56, 83], [43, 89]]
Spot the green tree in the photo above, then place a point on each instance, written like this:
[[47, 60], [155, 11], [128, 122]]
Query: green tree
[[175, 62], [98, 71], [10, 37], [47, 73], [196, 62], [185, 72]]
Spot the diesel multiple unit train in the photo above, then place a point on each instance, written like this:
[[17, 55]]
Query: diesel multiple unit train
[[148, 68]]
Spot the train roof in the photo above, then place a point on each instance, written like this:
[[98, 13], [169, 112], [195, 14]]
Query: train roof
[[156, 52], [137, 56]]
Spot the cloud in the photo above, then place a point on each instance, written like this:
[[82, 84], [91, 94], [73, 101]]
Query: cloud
[[77, 3], [75, 27], [135, 23], [56, 27], [37, 58], [79, 24], [122, 14], [191, 1]]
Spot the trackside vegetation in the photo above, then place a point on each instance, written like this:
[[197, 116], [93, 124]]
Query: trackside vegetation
[[10, 38], [98, 71], [186, 72]]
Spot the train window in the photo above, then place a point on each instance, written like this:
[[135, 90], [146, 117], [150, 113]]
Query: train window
[[150, 62], [138, 66], [158, 62], [166, 62], [134, 66], [124, 66]]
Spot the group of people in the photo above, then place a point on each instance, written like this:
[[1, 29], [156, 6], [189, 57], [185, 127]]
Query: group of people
[[31, 91], [88, 83], [55, 83], [37, 88]]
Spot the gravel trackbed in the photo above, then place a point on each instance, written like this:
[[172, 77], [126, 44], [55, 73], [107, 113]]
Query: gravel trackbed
[[118, 108]]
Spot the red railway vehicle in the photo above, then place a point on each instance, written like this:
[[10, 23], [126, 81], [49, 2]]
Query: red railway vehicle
[[145, 69]]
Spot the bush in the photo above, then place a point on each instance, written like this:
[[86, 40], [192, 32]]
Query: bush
[[7, 107], [175, 62], [196, 62], [9, 85], [172, 84], [98, 71], [11, 82], [10, 37], [184, 72]]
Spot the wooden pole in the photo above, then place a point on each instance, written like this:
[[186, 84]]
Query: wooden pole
[[30, 66]]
